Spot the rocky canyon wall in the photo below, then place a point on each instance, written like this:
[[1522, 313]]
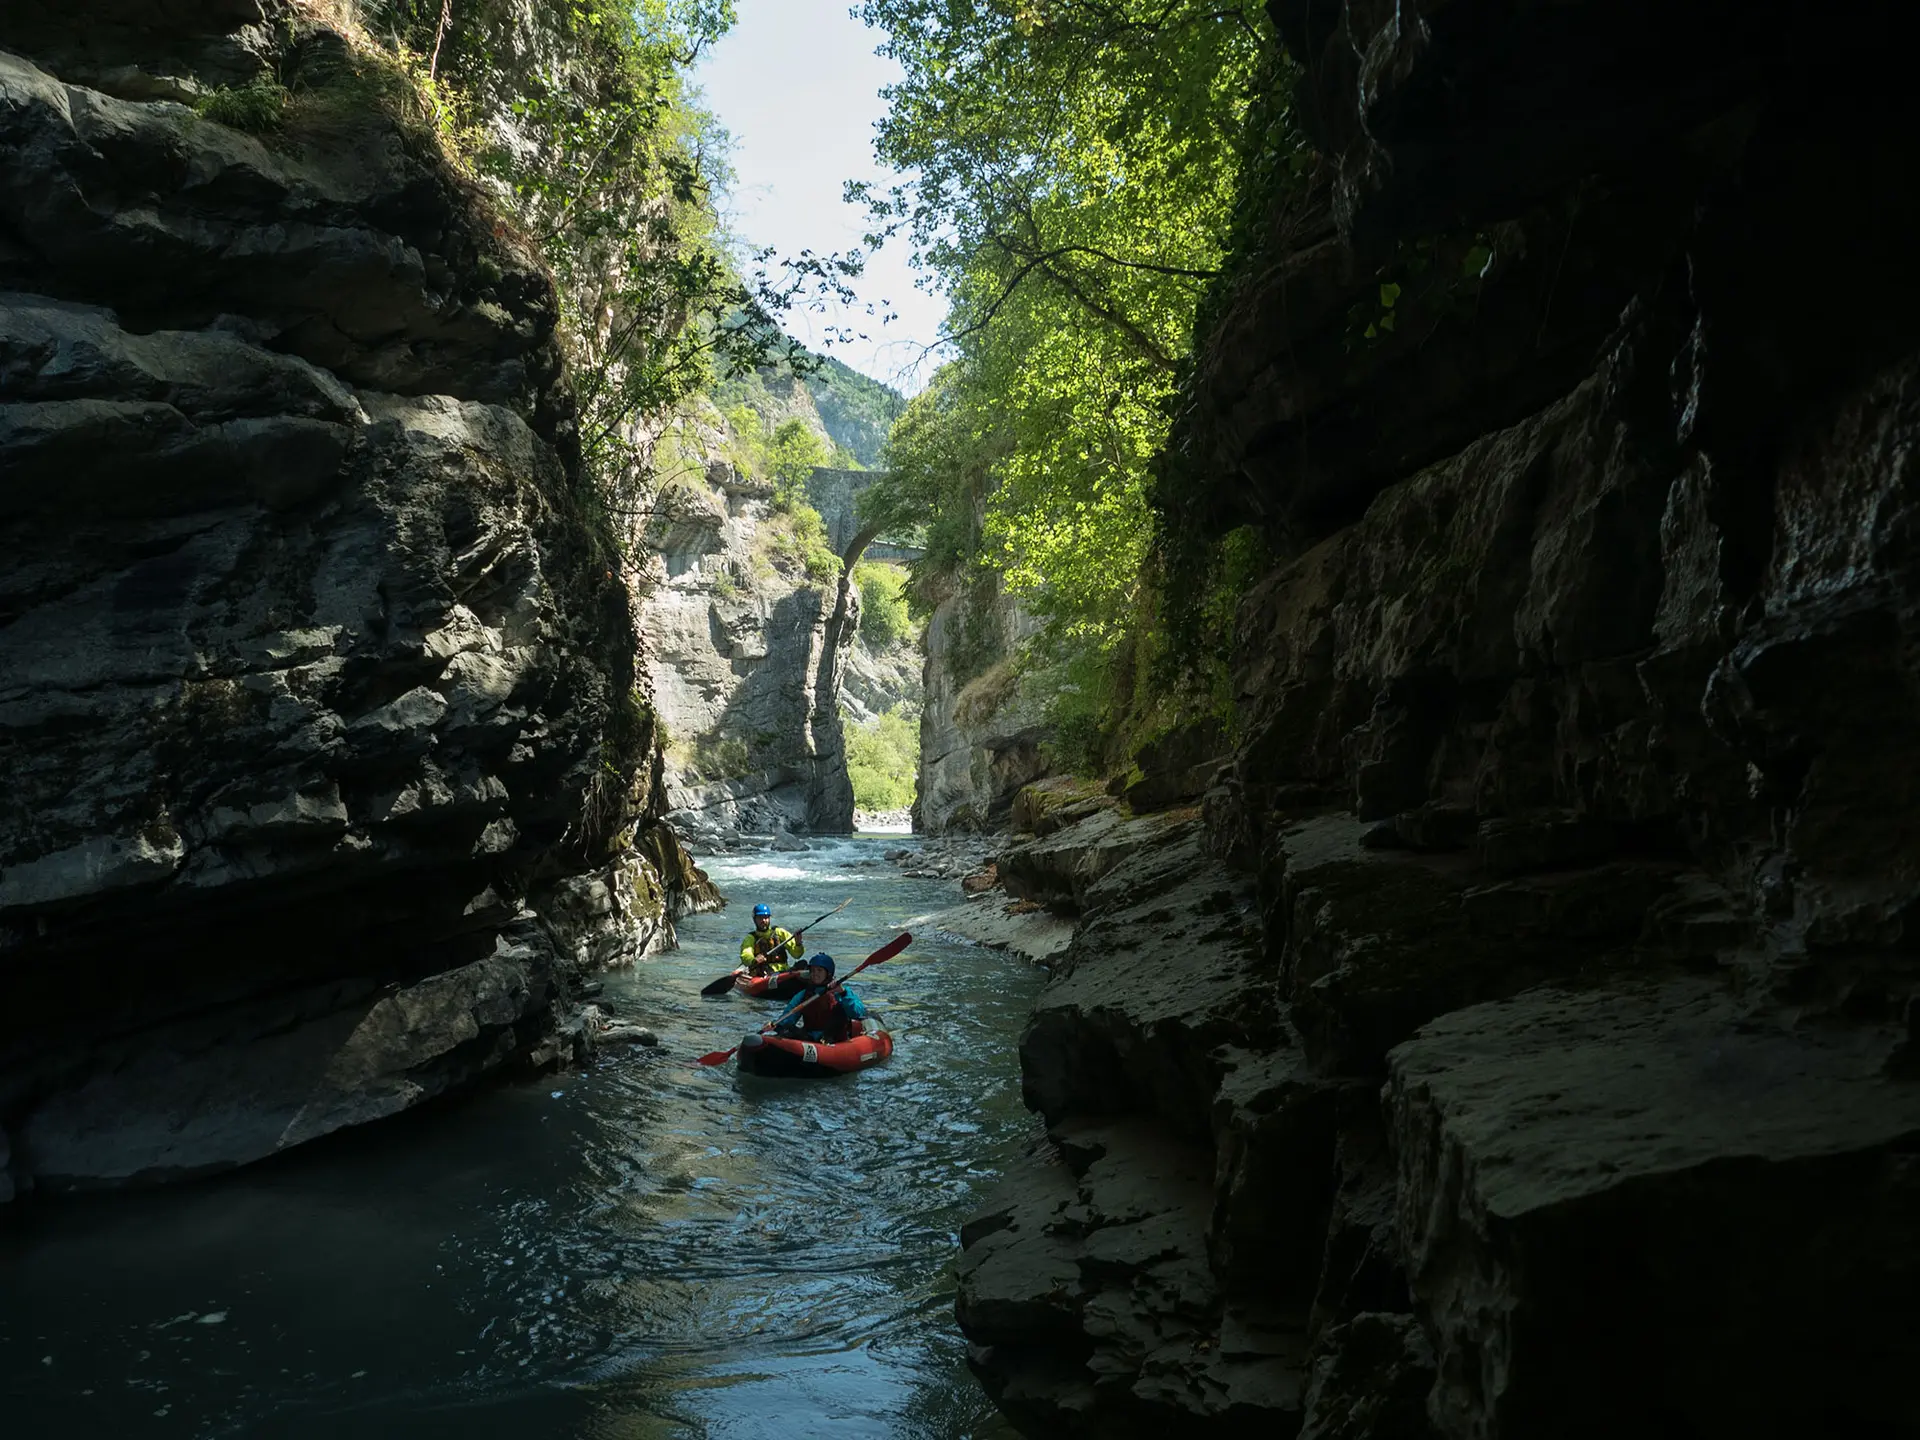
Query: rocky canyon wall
[[328, 766], [981, 740], [754, 643], [747, 655], [1520, 1037]]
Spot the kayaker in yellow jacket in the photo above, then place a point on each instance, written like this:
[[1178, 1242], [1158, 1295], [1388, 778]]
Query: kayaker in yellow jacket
[[767, 946]]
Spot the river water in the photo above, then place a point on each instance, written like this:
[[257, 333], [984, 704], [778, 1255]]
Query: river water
[[640, 1250]]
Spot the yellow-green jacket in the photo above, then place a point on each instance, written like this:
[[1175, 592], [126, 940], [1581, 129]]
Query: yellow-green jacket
[[782, 947]]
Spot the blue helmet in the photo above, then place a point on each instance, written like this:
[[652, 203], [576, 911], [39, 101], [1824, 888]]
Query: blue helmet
[[763, 912], [825, 962]]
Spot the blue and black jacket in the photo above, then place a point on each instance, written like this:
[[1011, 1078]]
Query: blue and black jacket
[[822, 1016]]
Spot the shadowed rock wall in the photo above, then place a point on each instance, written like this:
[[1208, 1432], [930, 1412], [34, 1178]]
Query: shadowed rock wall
[[1520, 1038], [980, 740], [326, 769]]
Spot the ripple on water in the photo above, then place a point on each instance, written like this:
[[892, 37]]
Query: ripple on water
[[655, 1251]]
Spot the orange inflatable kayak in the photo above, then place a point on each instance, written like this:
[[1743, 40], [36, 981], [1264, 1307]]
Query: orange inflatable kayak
[[778, 1056], [782, 985]]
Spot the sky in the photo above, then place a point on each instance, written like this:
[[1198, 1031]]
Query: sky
[[796, 83]]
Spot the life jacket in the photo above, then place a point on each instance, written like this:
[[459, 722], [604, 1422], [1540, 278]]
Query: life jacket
[[776, 951], [826, 1014]]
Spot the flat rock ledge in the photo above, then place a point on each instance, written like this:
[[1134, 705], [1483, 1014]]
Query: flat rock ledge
[[1033, 933], [1086, 1291], [1385, 1209]]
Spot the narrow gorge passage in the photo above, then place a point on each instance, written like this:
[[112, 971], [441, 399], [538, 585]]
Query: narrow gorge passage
[[637, 1249], [1395, 526]]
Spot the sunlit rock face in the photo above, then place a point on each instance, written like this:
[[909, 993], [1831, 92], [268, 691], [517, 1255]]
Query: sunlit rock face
[[326, 771], [1521, 1038], [747, 659]]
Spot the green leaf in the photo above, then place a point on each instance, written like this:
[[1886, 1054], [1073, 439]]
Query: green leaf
[[1388, 294], [1372, 333], [1479, 260], [1386, 322]]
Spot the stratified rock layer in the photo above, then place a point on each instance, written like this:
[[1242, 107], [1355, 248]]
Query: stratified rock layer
[[1535, 997], [747, 656], [325, 766]]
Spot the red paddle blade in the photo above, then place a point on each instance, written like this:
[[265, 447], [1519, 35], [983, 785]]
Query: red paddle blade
[[886, 952], [717, 1057], [892, 948]]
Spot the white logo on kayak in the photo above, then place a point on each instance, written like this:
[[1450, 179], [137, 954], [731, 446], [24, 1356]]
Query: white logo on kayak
[[810, 1053], [870, 1055]]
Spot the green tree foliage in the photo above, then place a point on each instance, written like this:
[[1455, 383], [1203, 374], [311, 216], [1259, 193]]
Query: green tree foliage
[[747, 440], [940, 465], [792, 453], [881, 761], [612, 166], [1076, 168], [884, 619]]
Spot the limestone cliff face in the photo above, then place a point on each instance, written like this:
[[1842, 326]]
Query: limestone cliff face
[[880, 679], [979, 740], [746, 656], [1520, 1038], [753, 661], [326, 767]]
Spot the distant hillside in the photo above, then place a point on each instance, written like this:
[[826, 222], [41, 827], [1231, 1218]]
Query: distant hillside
[[856, 409], [850, 411]]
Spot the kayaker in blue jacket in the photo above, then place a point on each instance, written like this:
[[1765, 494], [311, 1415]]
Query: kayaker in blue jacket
[[822, 1012]]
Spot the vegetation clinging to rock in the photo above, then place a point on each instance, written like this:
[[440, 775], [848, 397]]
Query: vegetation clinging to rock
[[1076, 176], [881, 760], [611, 165], [258, 107], [883, 603]]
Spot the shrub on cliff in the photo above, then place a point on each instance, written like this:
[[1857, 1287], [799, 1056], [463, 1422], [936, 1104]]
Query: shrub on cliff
[[883, 603], [721, 759], [798, 537], [258, 107], [882, 759]]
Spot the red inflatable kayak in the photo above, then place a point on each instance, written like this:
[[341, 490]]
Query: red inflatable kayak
[[778, 1056], [782, 985]]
